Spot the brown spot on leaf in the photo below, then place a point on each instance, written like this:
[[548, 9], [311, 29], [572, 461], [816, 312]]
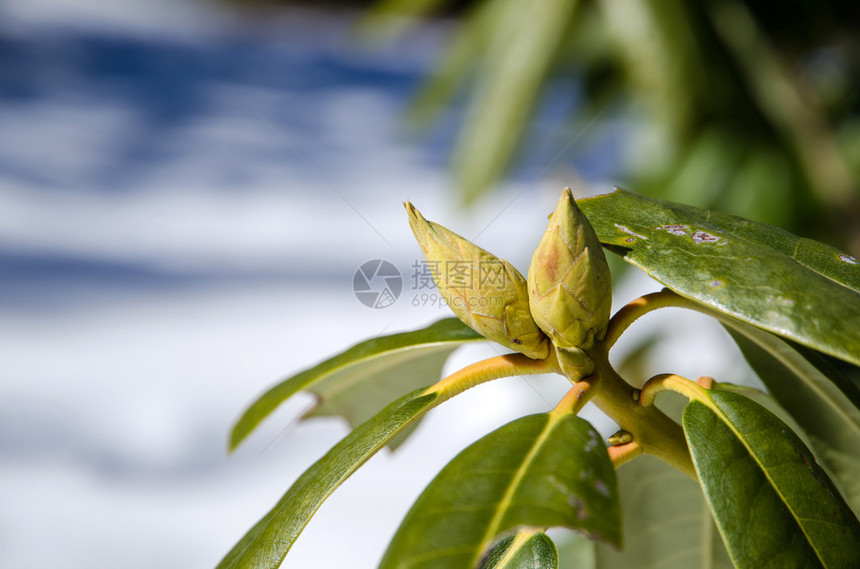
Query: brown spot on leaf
[[674, 229], [703, 237]]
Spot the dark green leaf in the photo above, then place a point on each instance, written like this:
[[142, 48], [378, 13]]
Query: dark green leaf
[[738, 269], [774, 505], [545, 470], [812, 254], [526, 549], [810, 395], [267, 543], [363, 379]]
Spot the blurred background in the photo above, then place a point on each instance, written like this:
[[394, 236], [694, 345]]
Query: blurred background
[[187, 189]]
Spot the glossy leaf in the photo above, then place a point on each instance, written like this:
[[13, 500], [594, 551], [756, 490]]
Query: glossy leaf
[[734, 268], [526, 549], [774, 505], [809, 393], [545, 470], [363, 379], [267, 543]]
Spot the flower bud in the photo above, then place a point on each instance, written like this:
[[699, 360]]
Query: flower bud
[[487, 293], [569, 283]]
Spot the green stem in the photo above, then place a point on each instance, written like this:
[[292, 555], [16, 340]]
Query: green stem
[[622, 454], [653, 431], [635, 309], [697, 390], [507, 365], [575, 399]]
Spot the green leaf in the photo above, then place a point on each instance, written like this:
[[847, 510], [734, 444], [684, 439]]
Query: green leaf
[[774, 505], [526, 549], [540, 471], [363, 379], [738, 268], [810, 394], [267, 543]]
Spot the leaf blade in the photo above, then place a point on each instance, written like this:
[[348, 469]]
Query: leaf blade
[[738, 274], [810, 395], [774, 505], [526, 549], [267, 543], [430, 345], [526, 473]]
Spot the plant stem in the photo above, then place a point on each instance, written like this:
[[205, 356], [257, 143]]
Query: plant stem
[[622, 454], [497, 367], [633, 310], [653, 432], [575, 399], [671, 382]]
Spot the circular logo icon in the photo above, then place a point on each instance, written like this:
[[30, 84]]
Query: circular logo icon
[[377, 283]]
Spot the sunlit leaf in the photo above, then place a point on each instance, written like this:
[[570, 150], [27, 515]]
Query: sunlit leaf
[[363, 379], [267, 543], [774, 505], [738, 269], [809, 393], [545, 470], [526, 549]]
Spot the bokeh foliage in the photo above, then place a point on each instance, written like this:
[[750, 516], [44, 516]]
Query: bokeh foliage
[[745, 107]]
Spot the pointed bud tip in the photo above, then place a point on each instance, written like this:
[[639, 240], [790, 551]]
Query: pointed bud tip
[[485, 292], [569, 290]]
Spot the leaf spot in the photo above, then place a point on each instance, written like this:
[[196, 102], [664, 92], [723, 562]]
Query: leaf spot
[[846, 259], [675, 229], [624, 229], [601, 487], [592, 442], [714, 284], [703, 237]]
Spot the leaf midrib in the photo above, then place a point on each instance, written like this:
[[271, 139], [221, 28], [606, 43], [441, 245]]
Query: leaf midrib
[[518, 542], [504, 503], [719, 412]]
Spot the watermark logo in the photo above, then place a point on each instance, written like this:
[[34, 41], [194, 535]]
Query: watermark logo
[[377, 283]]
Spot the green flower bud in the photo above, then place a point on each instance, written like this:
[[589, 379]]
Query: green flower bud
[[487, 293], [569, 283]]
